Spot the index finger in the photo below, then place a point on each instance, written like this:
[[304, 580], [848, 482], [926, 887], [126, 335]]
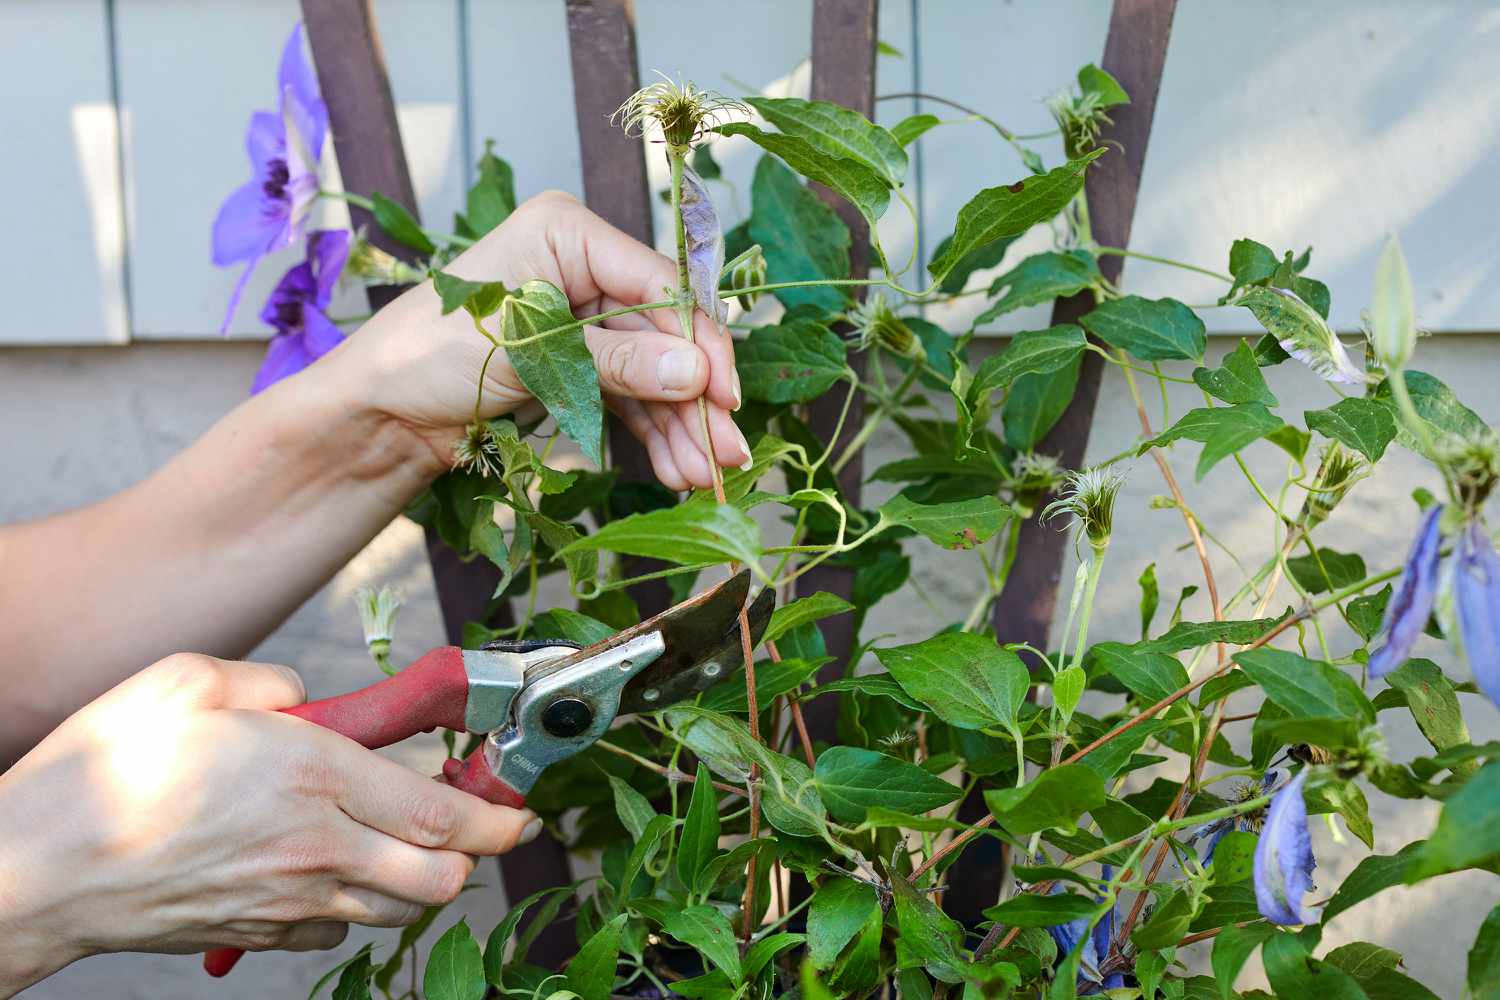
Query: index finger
[[385, 796]]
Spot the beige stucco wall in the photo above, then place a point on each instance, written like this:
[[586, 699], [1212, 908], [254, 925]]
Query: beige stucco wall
[[81, 423]]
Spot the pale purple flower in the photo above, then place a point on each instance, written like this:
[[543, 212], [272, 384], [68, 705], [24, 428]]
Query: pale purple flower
[[1095, 949], [705, 244], [304, 333], [1411, 604], [1476, 593], [1283, 857], [269, 212]]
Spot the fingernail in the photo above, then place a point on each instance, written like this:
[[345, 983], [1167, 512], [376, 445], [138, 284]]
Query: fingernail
[[530, 832], [678, 370], [745, 447], [735, 385]]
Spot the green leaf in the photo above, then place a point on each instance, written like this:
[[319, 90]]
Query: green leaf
[[1168, 925], [707, 930], [494, 948], [1149, 676], [877, 685], [559, 369], [1035, 403], [455, 969], [1056, 797], [1464, 837], [1234, 857], [1030, 909], [591, 972], [1302, 332], [700, 829], [1250, 263], [1437, 407], [959, 524], [398, 224], [685, 534], [1105, 89], [1149, 329], [337, 972], [840, 907], [1033, 352], [1191, 635], [1366, 613], [772, 679], [632, 807], [1067, 689], [1363, 424], [968, 680], [856, 183], [1223, 430], [409, 935], [1312, 692], [767, 948], [1039, 279], [1238, 381], [479, 298], [851, 779], [1434, 706], [837, 131], [806, 609], [803, 239], [1285, 958], [1232, 949], [562, 623], [1362, 960], [981, 258], [1326, 571], [925, 935], [1009, 210], [795, 361], [1484, 959], [354, 978], [493, 196], [911, 128], [1150, 598]]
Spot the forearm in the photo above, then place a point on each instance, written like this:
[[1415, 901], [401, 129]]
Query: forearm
[[209, 554]]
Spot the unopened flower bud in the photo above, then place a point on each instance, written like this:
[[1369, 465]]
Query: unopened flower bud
[[1338, 471], [748, 270], [373, 266], [1392, 318]]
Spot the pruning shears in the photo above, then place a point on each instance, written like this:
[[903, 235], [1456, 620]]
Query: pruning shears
[[542, 701]]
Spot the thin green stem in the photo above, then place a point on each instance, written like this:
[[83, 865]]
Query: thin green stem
[[1122, 252], [875, 419]]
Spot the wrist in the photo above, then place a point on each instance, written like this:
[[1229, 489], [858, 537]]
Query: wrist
[[40, 937]]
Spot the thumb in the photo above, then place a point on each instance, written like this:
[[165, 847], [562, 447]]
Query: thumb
[[647, 365], [214, 683]]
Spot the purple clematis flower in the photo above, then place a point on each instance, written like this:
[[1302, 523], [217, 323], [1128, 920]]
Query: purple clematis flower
[[1095, 948], [1283, 857], [270, 211], [1215, 831], [304, 333], [1476, 592], [1411, 605]]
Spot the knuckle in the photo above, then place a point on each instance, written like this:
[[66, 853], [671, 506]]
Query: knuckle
[[445, 879], [308, 855], [555, 196], [618, 359], [263, 939], [433, 821], [190, 674]]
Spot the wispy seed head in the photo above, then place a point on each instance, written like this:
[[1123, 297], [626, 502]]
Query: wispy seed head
[[679, 110], [1090, 497]]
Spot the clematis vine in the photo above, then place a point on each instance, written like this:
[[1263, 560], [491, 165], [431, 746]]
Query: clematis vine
[[1283, 857], [1091, 979], [269, 212], [1212, 833], [304, 333]]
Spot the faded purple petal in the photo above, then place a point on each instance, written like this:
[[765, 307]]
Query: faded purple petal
[[320, 332], [287, 355], [239, 290], [705, 244], [1283, 857], [265, 141], [1476, 592], [1411, 604], [243, 229], [296, 78], [327, 250]]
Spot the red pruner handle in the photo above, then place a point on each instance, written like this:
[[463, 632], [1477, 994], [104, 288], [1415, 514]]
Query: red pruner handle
[[432, 692], [473, 775]]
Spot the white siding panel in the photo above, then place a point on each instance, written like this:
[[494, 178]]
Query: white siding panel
[[521, 91], [63, 277], [1331, 124], [191, 74]]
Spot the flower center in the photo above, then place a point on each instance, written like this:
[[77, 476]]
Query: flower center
[[275, 185], [289, 314]]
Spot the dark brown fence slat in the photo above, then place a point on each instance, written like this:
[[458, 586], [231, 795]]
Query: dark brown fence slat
[[601, 40], [843, 71], [1134, 53]]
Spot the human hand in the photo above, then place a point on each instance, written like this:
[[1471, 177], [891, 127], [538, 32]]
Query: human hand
[[423, 368], [165, 817]]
